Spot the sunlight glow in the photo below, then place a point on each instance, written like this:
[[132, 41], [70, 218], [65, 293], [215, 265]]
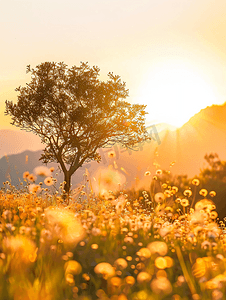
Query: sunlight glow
[[173, 93]]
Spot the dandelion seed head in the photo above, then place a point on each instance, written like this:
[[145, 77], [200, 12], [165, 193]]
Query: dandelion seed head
[[159, 197], [42, 171]]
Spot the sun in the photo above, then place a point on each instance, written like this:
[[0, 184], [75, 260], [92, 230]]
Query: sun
[[173, 93]]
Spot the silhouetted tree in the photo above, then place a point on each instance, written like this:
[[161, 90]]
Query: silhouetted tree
[[75, 113]]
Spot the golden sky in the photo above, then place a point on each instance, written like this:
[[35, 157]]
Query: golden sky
[[170, 53]]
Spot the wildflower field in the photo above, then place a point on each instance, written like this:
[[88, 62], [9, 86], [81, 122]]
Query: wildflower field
[[126, 245]]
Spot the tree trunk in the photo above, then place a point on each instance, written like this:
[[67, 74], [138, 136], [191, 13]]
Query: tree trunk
[[67, 185], [67, 179]]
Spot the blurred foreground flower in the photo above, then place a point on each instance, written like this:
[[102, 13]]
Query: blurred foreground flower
[[104, 269], [161, 285], [143, 277], [107, 180], [21, 251], [158, 247], [72, 267], [64, 226], [204, 204], [121, 263]]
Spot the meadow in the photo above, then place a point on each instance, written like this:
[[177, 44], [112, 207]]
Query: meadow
[[123, 245]]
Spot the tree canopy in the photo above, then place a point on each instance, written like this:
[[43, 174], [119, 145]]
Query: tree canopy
[[75, 113]]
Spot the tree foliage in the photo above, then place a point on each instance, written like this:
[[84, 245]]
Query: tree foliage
[[75, 113]]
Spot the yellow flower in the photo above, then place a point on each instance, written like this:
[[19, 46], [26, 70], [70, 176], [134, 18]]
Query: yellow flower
[[111, 154], [184, 202], [147, 173], [213, 215], [159, 172], [203, 192], [188, 193], [31, 177], [174, 189], [48, 181], [195, 182], [168, 193], [26, 174], [212, 193], [159, 197]]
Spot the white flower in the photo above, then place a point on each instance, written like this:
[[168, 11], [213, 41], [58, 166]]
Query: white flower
[[34, 188], [159, 197], [42, 171]]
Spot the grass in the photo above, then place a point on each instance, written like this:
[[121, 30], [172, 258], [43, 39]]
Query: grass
[[131, 245]]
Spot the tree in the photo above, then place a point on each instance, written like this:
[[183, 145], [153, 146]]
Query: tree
[[75, 113]]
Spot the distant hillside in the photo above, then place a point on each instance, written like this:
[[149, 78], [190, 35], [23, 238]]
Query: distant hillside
[[15, 165]]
